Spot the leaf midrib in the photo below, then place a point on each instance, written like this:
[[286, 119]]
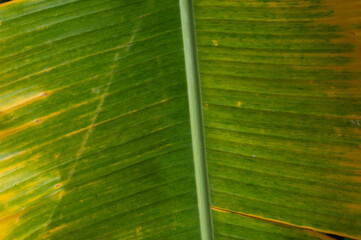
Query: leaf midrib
[[196, 118]]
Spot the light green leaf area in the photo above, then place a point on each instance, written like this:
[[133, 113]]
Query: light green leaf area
[[95, 126], [281, 94]]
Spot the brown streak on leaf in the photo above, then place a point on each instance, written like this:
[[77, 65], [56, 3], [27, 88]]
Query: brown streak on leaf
[[317, 232]]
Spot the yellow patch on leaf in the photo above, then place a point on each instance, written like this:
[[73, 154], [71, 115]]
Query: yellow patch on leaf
[[13, 104], [7, 224]]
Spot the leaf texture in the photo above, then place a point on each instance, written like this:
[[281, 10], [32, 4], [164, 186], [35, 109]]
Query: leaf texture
[[231, 226], [95, 137], [95, 133], [281, 91]]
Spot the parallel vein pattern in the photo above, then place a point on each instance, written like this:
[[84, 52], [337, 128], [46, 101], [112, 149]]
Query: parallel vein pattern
[[95, 138], [281, 90]]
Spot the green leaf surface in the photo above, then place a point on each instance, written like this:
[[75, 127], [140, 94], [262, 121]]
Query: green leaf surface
[[281, 90], [95, 134], [101, 125], [231, 226]]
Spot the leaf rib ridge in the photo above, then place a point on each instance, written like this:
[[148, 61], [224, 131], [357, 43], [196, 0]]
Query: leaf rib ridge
[[196, 117]]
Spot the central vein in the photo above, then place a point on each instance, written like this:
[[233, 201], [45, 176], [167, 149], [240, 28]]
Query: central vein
[[196, 118]]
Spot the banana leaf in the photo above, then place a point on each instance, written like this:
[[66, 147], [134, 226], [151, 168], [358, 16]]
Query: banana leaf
[[169, 119]]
